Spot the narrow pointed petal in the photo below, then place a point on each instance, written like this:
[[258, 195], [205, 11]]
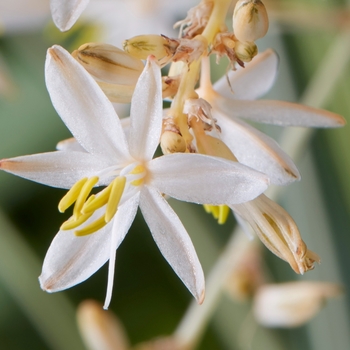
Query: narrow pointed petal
[[251, 82], [206, 180], [71, 260], [257, 150], [69, 145], [66, 12], [146, 112], [172, 240], [280, 113], [56, 169], [122, 222], [72, 144], [83, 106]]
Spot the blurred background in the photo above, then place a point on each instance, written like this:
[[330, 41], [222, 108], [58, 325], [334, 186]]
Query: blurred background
[[312, 39]]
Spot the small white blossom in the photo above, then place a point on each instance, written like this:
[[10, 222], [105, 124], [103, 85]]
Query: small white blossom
[[125, 165]]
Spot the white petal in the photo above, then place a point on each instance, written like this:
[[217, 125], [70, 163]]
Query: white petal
[[257, 150], [71, 260], [69, 145], [172, 240], [253, 81], [56, 169], [122, 222], [206, 180], [66, 12], [83, 106], [279, 113], [72, 144], [146, 113]]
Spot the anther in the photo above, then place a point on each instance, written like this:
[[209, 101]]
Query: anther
[[224, 210], [115, 196], [73, 223], [72, 195], [91, 228], [97, 202], [85, 191]]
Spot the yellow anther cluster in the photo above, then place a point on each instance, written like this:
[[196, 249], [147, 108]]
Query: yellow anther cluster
[[219, 212], [86, 205]]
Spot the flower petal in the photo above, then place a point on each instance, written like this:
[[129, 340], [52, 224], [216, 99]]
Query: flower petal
[[56, 169], [72, 144], [69, 145], [146, 112], [172, 240], [257, 150], [206, 180], [251, 82], [122, 222], [279, 113], [66, 12], [71, 260], [83, 106]]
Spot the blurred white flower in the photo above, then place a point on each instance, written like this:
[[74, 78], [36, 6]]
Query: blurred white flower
[[291, 304], [102, 330]]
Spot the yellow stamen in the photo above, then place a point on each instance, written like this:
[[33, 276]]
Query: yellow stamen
[[97, 201], [86, 189], [215, 211], [138, 170], [223, 214], [207, 208], [72, 195], [137, 182], [115, 196], [73, 223], [91, 228]]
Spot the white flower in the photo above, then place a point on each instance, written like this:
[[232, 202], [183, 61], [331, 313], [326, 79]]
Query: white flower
[[250, 146], [291, 304], [133, 178]]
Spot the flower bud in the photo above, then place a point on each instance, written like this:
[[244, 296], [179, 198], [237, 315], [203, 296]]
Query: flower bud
[[291, 304], [100, 329], [278, 231], [142, 46], [246, 51], [250, 21], [115, 71], [172, 142], [109, 64]]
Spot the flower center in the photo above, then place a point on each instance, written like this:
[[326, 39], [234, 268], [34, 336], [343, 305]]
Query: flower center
[[120, 189]]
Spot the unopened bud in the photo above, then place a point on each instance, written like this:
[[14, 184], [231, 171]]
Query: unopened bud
[[291, 304], [109, 64], [115, 71], [172, 142], [250, 20], [170, 85], [100, 329], [144, 45], [246, 51], [278, 231]]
